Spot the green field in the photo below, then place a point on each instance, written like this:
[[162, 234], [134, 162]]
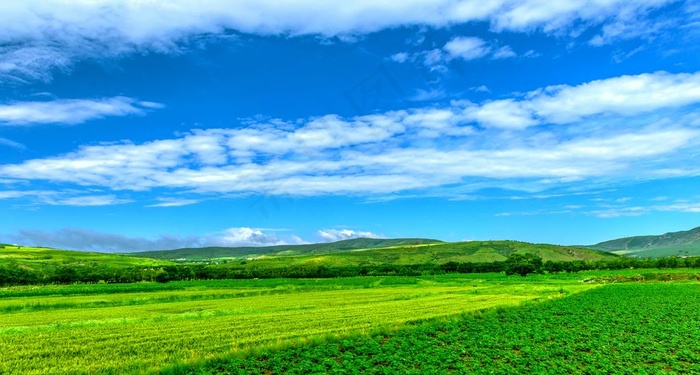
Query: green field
[[32, 266], [617, 329], [148, 327], [77, 329]]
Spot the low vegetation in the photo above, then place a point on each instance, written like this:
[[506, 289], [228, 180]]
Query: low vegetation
[[618, 329]]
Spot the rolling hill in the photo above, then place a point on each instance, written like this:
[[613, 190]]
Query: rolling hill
[[683, 243], [31, 257], [425, 253], [431, 253], [208, 253]]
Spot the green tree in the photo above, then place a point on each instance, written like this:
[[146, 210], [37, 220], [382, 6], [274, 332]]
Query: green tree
[[523, 264]]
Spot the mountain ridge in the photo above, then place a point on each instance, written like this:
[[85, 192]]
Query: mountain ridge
[[301, 249]]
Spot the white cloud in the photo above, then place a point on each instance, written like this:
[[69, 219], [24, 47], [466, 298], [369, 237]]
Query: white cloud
[[507, 113], [504, 53], [466, 48], [623, 211], [332, 235], [13, 194], [174, 202], [71, 111], [245, 237], [400, 57], [11, 143], [625, 96], [39, 36], [552, 16], [613, 130], [426, 95], [64, 197], [89, 200]]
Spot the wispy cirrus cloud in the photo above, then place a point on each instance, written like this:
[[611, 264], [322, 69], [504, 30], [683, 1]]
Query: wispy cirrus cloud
[[614, 211], [39, 37], [11, 143], [64, 197], [89, 200], [174, 202], [71, 111]]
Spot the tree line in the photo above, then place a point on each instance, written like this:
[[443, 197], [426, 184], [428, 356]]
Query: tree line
[[515, 264]]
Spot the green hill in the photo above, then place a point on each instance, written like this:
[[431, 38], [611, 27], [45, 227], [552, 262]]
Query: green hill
[[435, 253], [32, 257], [683, 243], [209, 253]]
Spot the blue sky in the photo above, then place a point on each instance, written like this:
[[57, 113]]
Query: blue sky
[[144, 125]]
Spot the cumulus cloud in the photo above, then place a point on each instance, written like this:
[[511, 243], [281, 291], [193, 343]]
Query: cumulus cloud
[[71, 111], [607, 129], [332, 235], [89, 240], [466, 48], [37, 36], [245, 237]]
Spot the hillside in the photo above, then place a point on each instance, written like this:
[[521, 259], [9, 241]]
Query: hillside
[[31, 257], [668, 244], [437, 253], [208, 253]]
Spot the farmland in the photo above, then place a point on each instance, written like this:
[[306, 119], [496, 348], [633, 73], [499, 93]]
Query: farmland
[[617, 329], [179, 326], [77, 329]]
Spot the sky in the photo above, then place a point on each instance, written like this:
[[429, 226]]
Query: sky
[[141, 125]]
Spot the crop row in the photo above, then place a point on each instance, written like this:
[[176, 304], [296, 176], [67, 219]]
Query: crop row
[[616, 329]]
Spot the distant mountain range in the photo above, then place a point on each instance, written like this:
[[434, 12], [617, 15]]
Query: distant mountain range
[[673, 243], [369, 251], [282, 250]]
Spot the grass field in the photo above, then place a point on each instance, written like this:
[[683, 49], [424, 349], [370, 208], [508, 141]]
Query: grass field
[[147, 327]]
